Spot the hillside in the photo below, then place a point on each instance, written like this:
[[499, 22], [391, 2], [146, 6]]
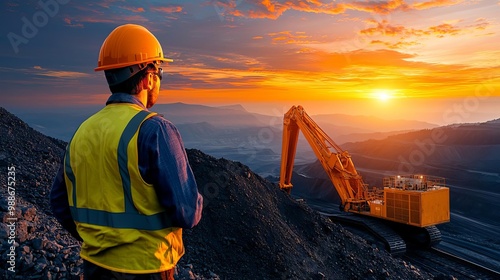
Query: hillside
[[472, 149], [467, 155], [371, 123], [249, 230], [346, 128]]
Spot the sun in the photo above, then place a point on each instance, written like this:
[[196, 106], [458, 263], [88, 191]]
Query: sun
[[382, 95]]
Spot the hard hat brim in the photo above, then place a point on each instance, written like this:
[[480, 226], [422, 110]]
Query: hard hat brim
[[121, 65]]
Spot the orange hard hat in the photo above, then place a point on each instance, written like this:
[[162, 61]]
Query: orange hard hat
[[127, 45]]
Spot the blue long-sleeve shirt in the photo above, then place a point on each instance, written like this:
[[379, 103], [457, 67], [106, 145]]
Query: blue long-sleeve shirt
[[162, 162]]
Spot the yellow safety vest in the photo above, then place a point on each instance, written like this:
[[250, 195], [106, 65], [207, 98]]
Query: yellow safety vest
[[118, 215]]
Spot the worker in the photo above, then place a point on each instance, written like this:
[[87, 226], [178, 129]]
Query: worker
[[125, 187]]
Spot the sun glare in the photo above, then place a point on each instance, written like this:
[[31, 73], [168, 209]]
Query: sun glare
[[382, 95]]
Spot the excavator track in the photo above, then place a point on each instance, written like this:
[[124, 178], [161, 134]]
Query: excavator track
[[434, 235], [418, 237], [393, 242]]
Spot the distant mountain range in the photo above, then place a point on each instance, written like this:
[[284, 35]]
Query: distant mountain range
[[469, 147], [63, 122], [233, 132], [346, 128], [234, 116]]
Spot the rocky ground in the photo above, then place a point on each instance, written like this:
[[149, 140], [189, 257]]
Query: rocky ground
[[249, 230]]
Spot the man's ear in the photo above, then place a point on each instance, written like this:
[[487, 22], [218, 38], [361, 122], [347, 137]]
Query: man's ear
[[147, 82]]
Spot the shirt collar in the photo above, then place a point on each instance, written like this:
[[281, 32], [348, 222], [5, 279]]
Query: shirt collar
[[124, 98]]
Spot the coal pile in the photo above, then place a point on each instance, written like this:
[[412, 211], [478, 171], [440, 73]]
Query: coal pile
[[249, 230], [252, 230], [41, 248]]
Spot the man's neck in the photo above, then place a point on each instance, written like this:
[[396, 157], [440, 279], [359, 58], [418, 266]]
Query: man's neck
[[143, 97]]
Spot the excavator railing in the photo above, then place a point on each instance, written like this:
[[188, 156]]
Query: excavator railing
[[414, 182]]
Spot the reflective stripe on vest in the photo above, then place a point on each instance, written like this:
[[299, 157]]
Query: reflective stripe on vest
[[131, 218]]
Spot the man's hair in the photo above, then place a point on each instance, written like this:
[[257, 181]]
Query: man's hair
[[133, 84]]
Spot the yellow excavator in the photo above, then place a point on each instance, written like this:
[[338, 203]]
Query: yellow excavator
[[417, 201]]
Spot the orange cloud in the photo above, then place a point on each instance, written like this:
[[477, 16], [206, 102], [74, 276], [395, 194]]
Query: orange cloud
[[168, 9], [274, 9], [69, 22], [386, 29], [40, 71], [63, 74], [287, 37], [107, 3], [397, 45], [60, 74], [133, 9], [480, 24], [444, 29], [375, 7], [435, 3]]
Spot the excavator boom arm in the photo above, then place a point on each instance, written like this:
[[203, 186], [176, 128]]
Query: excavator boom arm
[[336, 162]]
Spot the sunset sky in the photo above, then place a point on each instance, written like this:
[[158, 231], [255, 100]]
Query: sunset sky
[[430, 60]]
